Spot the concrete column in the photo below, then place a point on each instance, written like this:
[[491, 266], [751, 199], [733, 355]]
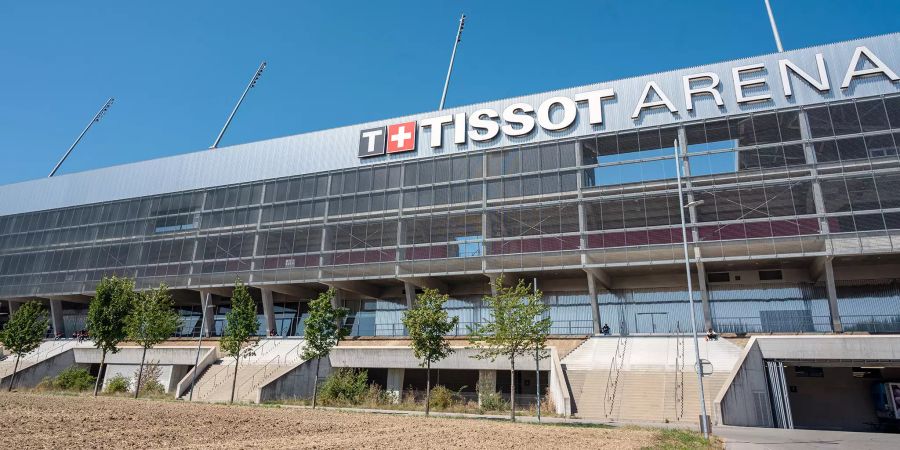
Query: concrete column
[[487, 382], [492, 279], [595, 307], [56, 315], [268, 310], [395, 384], [704, 292], [836, 325], [208, 311], [410, 290]]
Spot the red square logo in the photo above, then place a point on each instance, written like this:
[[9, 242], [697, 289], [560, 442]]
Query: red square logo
[[401, 137]]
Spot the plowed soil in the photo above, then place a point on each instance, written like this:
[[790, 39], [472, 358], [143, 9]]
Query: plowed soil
[[73, 422]]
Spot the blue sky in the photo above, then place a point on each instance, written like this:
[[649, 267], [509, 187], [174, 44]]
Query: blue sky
[[177, 67]]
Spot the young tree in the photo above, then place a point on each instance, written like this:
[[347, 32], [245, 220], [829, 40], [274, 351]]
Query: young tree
[[106, 317], [323, 331], [24, 333], [151, 321], [241, 328], [516, 327], [427, 323]]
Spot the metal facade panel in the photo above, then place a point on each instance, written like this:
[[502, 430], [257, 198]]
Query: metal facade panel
[[336, 148]]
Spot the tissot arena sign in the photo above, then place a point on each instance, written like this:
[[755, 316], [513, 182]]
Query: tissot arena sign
[[748, 82]]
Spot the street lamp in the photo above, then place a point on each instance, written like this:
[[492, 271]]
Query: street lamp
[[687, 267], [209, 305]]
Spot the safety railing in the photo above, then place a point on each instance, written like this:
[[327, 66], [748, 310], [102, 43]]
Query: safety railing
[[741, 325], [871, 323], [264, 372]]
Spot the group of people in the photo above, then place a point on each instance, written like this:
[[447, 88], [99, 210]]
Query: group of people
[[81, 335]]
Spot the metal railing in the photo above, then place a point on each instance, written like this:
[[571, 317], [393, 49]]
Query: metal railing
[[612, 377], [740, 325], [560, 327], [872, 323]]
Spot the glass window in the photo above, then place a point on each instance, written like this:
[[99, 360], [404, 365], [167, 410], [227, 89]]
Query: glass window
[[494, 189], [742, 130], [819, 122], [549, 156], [426, 172], [789, 125], [872, 115], [441, 170], [410, 173], [460, 168], [307, 187], [531, 159], [844, 119], [394, 176], [892, 104], [512, 187], [765, 127], [588, 151], [826, 151], [364, 181], [494, 164], [379, 178], [881, 145], [336, 184], [475, 166], [511, 163], [852, 148], [567, 154]]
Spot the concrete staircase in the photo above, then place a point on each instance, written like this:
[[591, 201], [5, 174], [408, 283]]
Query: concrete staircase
[[272, 357], [649, 381], [47, 350]]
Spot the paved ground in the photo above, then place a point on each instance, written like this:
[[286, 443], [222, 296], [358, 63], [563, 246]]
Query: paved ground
[[743, 438]]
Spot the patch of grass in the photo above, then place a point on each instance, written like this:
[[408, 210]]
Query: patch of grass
[[673, 438]]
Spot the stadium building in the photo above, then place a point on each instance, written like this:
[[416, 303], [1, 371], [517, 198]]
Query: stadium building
[[792, 174]]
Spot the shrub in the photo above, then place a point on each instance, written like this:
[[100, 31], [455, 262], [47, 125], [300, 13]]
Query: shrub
[[443, 398], [74, 379], [150, 379], [376, 396], [344, 385], [493, 401], [118, 384]]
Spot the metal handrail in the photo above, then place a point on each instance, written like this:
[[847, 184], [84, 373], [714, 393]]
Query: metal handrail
[[265, 368]]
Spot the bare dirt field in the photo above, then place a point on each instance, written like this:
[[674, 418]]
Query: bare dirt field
[[57, 421]]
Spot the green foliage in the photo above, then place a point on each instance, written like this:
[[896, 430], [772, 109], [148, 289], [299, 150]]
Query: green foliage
[[444, 398], [322, 327], [491, 400], [108, 311], [427, 324], [345, 386], [74, 379], [26, 329], [152, 319], [241, 322], [118, 384], [516, 326]]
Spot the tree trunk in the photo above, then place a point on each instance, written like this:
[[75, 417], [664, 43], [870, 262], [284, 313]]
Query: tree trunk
[[137, 387], [428, 390], [512, 388], [316, 383], [99, 372], [237, 360], [12, 379]]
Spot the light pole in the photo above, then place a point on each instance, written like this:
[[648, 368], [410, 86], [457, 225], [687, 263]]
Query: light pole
[[687, 268], [774, 27], [199, 343]]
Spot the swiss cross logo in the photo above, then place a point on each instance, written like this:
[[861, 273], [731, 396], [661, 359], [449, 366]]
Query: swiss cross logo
[[401, 137]]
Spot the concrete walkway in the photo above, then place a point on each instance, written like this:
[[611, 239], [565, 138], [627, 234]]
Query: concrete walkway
[[746, 438]]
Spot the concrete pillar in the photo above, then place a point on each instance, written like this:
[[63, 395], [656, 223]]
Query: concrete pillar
[[836, 325], [410, 291], [704, 291], [208, 312], [56, 316], [395, 384], [595, 307], [487, 382], [268, 310]]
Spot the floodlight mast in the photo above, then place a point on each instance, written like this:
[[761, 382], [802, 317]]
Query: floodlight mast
[[250, 85], [96, 118], [462, 23]]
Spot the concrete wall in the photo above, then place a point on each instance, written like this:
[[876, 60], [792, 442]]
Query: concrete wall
[[47, 368], [181, 356], [168, 377], [402, 357], [297, 383], [745, 398]]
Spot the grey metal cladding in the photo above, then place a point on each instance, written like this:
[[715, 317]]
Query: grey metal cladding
[[333, 149]]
